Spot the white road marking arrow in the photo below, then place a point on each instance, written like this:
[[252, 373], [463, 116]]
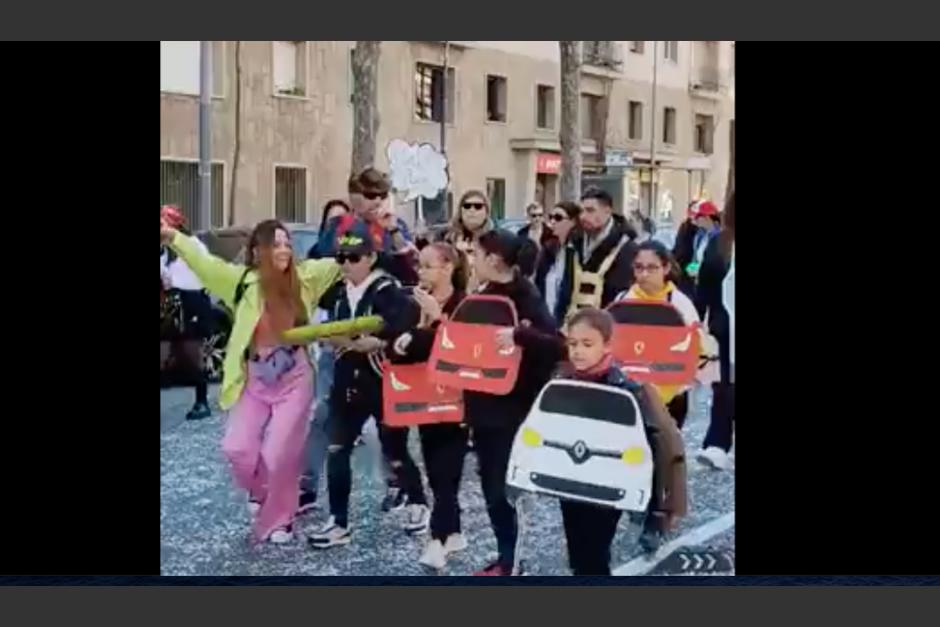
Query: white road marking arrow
[[711, 560], [685, 561], [698, 562]]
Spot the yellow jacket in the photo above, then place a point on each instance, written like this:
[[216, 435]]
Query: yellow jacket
[[221, 279]]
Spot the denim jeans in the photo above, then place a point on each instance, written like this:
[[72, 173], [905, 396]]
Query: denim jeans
[[318, 437]]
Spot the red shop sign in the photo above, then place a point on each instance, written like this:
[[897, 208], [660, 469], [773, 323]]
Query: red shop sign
[[548, 163]]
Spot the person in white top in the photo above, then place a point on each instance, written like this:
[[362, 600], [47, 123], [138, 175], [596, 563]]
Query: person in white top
[[653, 269], [188, 335]]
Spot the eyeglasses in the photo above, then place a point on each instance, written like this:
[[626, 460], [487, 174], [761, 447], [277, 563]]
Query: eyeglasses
[[558, 217], [374, 195], [342, 258], [474, 205], [639, 268], [535, 216]]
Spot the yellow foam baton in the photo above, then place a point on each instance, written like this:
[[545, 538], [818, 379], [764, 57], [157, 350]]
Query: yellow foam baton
[[314, 332]]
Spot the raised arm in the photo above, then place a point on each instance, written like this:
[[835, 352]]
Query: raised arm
[[217, 276]]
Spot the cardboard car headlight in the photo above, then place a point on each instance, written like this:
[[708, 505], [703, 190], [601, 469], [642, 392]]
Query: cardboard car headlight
[[584, 442], [653, 342], [409, 398], [465, 354]]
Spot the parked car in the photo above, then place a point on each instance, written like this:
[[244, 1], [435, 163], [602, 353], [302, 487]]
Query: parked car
[[230, 244], [512, 224]]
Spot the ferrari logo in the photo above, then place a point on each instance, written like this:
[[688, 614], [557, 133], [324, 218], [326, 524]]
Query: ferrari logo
[[477, 350], [440, 389], [639, 347]]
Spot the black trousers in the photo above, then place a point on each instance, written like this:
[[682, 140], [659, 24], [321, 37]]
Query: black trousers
[[357, 395], [493, 446], [721, 427], [443, 447], [589, 531], [187, 346]]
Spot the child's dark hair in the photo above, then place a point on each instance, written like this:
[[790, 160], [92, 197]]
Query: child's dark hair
[[598, 319], [665, 256], [515, 251], [449, 253], [336, 202]]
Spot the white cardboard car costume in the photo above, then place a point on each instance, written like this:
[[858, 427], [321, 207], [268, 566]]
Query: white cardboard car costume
[[727, 297], [584, 441]]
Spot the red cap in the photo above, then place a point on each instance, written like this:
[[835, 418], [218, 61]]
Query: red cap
[[173, 216], [705, 208]]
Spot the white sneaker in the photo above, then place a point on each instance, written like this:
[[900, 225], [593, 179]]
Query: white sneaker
[[418, 520], [329, 535], [282, 535], [455, 542], [715, 458], [254, 507], [434, 555]]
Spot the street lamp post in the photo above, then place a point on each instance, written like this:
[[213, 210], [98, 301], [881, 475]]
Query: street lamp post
[[205, 167]]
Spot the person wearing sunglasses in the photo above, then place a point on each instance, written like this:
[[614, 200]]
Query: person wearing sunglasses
[[535, 230], [357, 383], [369, 199], [471, 220], [555, 269]]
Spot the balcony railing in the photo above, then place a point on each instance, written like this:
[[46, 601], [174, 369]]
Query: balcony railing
[[706, 79], [605, 54]]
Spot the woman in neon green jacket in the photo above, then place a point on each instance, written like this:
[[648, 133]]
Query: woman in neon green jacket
[[267, 386]]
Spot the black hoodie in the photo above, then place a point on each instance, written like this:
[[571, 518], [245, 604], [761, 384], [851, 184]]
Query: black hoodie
[[542, 348]]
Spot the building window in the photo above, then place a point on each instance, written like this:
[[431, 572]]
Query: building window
[[637, 46], [636, 120], [496, 192], [589, 109], [671, 51], [545, 116], [179, 185], [179, 67], [669, 125], [290, 194], [429, 92], [350, 77], [290, 68], [495, 98], [704, 133]]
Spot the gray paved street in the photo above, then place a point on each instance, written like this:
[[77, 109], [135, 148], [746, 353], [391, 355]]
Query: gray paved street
[[204, 522]]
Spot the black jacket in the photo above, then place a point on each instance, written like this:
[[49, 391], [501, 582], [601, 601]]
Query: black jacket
[[620, 276], [550, 251], [683, 250], [708, 300], [383, 298], [542, 348], [422, 340]]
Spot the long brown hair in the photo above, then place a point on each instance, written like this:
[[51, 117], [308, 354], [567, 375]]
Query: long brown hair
[[726, 237], [281, 290], [456, 224]]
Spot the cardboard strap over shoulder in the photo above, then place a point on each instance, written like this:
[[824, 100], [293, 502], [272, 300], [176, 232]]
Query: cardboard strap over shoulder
[[670, 476]]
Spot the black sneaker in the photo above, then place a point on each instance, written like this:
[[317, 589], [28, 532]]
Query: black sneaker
[[395, 499], [198, 412], [329, 535], [308, 501]]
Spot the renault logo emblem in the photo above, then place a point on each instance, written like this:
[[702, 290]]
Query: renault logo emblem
[[639, 347], [579, 450], [477, 350]]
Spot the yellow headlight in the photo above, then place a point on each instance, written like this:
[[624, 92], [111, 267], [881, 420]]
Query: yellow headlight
[[633, 456], [531, 437]]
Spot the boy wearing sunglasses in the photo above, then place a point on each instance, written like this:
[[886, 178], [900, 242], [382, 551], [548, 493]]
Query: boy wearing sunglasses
[[357, 384]]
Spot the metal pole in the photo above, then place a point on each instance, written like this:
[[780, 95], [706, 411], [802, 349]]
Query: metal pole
[[205, 167], [652, 207], [443, 127]]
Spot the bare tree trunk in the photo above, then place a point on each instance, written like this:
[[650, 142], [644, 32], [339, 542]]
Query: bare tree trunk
[[570, 133], [365, 64], [236, 155], [601, 121]]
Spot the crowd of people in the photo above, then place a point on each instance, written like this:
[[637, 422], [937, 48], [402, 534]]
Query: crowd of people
[[560, 273]]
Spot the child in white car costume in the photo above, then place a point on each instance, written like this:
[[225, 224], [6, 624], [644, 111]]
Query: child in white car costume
[[589, 528]]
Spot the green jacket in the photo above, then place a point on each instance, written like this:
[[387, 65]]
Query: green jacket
[[221, 279]]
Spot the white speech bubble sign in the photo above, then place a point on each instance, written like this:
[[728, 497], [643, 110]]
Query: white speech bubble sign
[[416, 169]]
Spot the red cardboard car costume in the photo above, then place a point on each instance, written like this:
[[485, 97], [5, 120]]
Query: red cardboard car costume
[[465, 354], [411, 398], [654, 343]]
